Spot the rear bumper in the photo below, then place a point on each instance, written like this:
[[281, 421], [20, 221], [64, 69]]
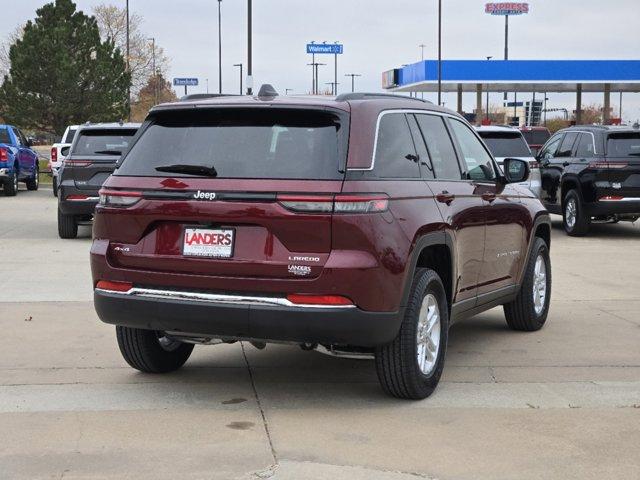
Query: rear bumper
[[246, 318], [625, 206], [81, 206], [5, 172]]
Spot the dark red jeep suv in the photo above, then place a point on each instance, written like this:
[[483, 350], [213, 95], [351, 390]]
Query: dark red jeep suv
[[360, 225]]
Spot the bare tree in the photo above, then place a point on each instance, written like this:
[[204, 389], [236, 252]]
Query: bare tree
[[112, 22], [5, 45]]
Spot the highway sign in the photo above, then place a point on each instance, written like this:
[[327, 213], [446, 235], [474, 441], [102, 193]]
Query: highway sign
[[185, 82]]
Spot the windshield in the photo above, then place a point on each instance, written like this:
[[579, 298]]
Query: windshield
[[624, 144], [506, 144], [240, 143], [4, 136], [536, 137], [70, 134], [103, 141]]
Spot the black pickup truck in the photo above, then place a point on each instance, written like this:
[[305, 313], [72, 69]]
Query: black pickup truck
[[592, 174]]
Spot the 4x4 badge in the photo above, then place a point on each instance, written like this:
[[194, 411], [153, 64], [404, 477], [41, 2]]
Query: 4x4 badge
[[200, 195]]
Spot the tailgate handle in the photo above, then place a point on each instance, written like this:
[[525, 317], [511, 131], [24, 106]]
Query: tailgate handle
[[445, 197]]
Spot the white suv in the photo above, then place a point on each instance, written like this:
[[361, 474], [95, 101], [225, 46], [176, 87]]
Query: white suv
[[508, 142], [56, 154]]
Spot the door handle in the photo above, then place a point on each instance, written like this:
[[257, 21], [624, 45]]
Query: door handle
[[488, 196], [566, 164], [445, 197]]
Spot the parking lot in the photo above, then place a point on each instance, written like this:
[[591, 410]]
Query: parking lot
[[560, 403]]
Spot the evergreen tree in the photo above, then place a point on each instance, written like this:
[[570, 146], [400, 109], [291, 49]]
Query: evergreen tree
[[62, 73]]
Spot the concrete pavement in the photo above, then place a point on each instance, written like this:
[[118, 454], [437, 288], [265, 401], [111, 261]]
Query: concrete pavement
[[560, 403]]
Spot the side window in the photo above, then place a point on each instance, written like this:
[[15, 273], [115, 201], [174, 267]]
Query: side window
[[585, 148], [441, 152], [395, 153], [566, 147], [421, 149], [478, 161], [16, 134], [551, 147]]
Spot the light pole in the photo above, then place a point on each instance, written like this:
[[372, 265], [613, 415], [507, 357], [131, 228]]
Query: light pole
[[219, 47], [353, 76], [422, 45], [128, 68], [153, 64], [249, 59], [487, 112], [335, 71], [239, 65], [439, 52]]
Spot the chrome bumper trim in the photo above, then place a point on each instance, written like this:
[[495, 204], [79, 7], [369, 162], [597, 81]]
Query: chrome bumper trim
[[216, 298]]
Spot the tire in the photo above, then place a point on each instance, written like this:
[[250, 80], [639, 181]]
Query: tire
[[67, 225], [33, 183], [55, 186], [525, 313], [11, 185], [578, 223], [397, 363], [143, 351]]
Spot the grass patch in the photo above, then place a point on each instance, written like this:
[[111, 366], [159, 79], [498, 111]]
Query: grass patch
[[45, 178]]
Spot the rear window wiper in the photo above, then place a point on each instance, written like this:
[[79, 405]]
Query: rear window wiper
[[200, 170], [108, 152]]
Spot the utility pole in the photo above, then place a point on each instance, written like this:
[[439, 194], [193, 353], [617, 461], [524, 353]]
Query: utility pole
[[155, 74], [219, 47], [487, 112], [353, 76], [239, 65], [249, 63], [439, 52], [335, 71], [422, 45], [128, 68]]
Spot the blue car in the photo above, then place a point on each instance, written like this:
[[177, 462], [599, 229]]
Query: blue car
[[18, 162]]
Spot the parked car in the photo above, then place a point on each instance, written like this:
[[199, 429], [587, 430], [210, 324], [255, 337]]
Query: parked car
[[56, 154], [508, 142], [361, 225], [18, 162], [535, 137], [592, 174], [88, 163]]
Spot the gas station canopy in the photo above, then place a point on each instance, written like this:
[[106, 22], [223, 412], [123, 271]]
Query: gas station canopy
[[516, 76]]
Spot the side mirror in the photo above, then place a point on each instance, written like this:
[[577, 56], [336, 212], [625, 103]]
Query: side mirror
[[64, 151], [515, 170], [30, 141]]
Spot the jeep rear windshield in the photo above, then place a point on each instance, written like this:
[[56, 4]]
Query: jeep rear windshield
[[625, 144], [103, 141], [506, 144], [260, 142]]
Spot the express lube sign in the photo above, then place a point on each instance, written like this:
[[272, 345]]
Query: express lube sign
[[506, 8]]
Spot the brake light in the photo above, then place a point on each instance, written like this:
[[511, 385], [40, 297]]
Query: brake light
[[78, 163], [114, 286], [611, 198], [77, 197], [54, 154], [4, 155], [343, 203], [329, 300], [601, 164], [118, 198]]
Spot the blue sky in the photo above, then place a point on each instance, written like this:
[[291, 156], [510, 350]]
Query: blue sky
[[377, 35]]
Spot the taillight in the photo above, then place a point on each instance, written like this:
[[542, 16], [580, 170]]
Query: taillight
[[77, 163], [343, 203], [114, 286], [611, 198], [77, 198], [601, 164], [4, 155], [328, 300], [54, 154], [118, 198]]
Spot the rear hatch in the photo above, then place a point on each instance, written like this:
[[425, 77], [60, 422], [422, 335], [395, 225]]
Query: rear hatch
[[623, 163], [94, 155], [240, 192]]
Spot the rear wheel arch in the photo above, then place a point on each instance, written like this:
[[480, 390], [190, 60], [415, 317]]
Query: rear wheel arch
[[568, 185], [433, 251], [543, 231]]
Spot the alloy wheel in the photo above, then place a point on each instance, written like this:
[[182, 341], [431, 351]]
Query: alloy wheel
[[570, 213], [428, 334], [539, 285]]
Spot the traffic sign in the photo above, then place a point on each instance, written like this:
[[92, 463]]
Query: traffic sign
[[185, 82], [324, 48], [506, 8]]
